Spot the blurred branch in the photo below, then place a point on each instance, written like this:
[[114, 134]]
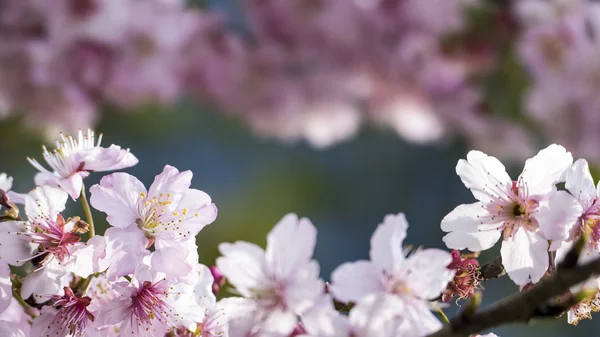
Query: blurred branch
[[540, 301], [492, 269]]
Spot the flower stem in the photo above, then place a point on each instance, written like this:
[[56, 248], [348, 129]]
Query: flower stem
[[88, 212], [442, 315]]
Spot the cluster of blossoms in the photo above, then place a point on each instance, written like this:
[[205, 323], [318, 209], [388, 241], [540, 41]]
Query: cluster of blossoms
[[59, 278], [536, 222], [313, 70]]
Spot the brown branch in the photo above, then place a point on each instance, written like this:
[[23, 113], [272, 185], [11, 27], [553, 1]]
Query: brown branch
[[522, 307], [492, 269]]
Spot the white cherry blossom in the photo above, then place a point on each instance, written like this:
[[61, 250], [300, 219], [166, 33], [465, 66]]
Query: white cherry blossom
[[526, 213], [277, 283], [414, 280], [74, 159]]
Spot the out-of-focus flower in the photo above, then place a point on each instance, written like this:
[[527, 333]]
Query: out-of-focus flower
[[376, 315], [5, 182], [415, 279], [527, 212], [74, 159], [277, 284], [558, 45], [167, 215], [466, 277]]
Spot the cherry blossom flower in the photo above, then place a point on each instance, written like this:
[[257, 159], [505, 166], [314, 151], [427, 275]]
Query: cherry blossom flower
[[277, 283], [68, 316], [168, 215], [415, 279], [48, 240], [579, 181], [149, 305], [526, 213], [74, 159], [376, 315]]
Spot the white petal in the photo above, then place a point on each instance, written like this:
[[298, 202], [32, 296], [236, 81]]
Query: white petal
[[546, 169], [106, 159], [118, 195], [45, 201], [125, 249], [473, 241], [324, 321], [525, 257], [484, 175], [426, 273], [386, 242], [242, 314], [15, 248], [87, 258], [278, 323], [470, 226], [378, 315], [171, 181], [8, 329], [243, 265], [558, 215], [5, 182], [578, 180], [290, 244], [50, 280], [200, 210], [352, 281], [73, 184], [420, 321], [5, 286], [172, 261], [303, 288]]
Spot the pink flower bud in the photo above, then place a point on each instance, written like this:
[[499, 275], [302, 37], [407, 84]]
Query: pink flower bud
[[219, 279], [466, 277]]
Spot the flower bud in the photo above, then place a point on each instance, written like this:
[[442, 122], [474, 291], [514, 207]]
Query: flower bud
[[219, 279], [466, 277]]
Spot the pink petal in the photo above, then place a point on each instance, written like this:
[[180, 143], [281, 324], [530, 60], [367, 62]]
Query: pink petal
[[243, 265], [45, 201], [426, 273], [118, 195], [289, 244], [171, 181], [386, 242], [352, 281], [558, 215], [579, 181]]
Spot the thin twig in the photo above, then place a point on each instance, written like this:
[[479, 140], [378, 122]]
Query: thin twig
[[537, 302]]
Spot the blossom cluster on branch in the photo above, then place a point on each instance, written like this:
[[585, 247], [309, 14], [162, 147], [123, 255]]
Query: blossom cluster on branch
[[315, 70], [60, 278]]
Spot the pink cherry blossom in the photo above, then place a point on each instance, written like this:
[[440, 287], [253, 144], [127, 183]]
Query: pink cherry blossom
[[527, 212], [277, 283], [68, 316], [415, 279], [376, 315], [74, 159], [150, 305], [48, 240], [169, 215]]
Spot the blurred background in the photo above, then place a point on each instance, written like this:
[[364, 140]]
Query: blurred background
[[338, 110]]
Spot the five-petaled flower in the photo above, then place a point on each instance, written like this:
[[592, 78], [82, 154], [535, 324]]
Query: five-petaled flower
[[527, 213]]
